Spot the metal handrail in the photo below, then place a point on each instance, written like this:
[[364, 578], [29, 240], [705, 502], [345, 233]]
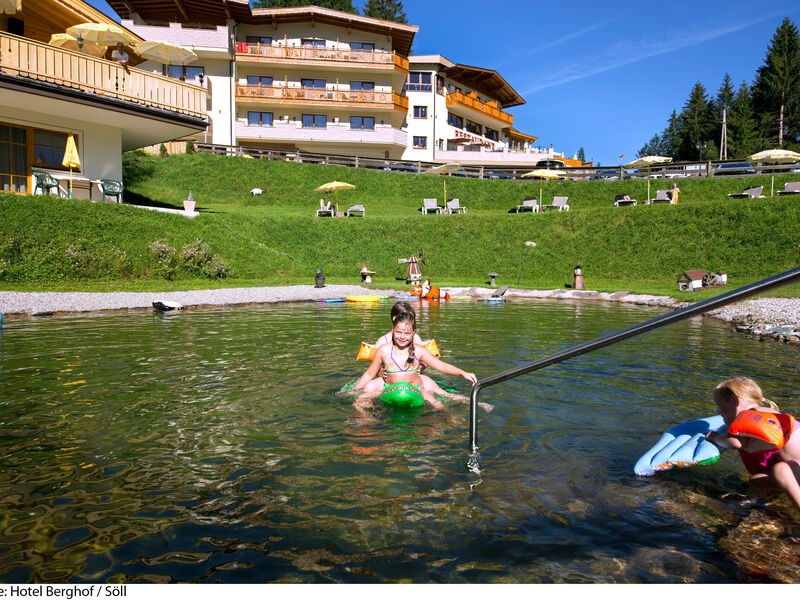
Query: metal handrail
[[678, 315]]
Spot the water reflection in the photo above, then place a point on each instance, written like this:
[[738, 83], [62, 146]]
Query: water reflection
[[211, 445]]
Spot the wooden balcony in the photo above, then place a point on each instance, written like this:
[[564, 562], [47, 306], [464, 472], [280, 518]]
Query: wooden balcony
[[320, 97], [31, 60], [472, 103], [279, 54]]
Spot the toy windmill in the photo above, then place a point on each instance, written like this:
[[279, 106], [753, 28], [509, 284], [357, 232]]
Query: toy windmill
[[414, 273]]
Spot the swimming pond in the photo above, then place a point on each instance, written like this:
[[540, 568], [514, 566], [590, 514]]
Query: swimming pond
[[211, 445]]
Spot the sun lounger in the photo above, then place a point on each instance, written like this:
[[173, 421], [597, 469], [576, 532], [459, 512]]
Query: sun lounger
[[355, 210], [751, 192], [624, 200], [559, 204], [454, 206], [789, 188], [431, 205], [529, 204], [325, 212], [662, 196]]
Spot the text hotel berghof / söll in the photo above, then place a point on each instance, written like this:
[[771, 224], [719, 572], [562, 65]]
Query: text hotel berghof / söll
[[67, 592]]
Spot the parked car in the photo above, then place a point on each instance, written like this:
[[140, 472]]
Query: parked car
[[499, 175], [401, 168], [607, 174], [742, 168], [551, 163]]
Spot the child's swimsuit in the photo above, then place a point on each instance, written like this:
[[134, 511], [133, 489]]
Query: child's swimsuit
[[763, 461], [396, 368]]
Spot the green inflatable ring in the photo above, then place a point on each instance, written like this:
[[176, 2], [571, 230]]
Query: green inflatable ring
[[401, 395]]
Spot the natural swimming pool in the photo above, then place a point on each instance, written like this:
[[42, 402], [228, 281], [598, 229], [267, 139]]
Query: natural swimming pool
[[211, 445]]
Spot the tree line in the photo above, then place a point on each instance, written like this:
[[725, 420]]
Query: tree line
[[388, 10], [760, 116]]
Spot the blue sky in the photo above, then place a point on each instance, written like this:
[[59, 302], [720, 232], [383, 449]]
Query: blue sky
[[602, 76]]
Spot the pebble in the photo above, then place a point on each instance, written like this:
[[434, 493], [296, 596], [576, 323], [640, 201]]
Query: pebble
[[766, 318]]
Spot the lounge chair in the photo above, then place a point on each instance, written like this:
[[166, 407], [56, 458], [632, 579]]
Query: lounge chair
[[751, 192], [454, 206], [559, 204], [789, 188], [325, 212], [529, 204], [662, 196], [113, 188], [624, 200], [45, 182], [431, 205], [356, 209]]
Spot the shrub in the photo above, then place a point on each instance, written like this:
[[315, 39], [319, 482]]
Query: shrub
[[194, 258], [190, 147], [162, 151]]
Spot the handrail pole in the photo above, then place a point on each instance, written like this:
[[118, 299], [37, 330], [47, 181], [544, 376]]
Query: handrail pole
[[741, 293]]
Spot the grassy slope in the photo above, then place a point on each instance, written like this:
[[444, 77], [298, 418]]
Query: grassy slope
[[274, 239]]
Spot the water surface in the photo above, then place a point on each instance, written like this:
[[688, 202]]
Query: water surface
[[211, 445]]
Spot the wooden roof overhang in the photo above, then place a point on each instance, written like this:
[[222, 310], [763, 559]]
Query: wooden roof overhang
[[513, 134], [485, 81], [399, 34], [210, 12], [45, 17]]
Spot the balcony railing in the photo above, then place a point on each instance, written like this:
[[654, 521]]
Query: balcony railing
[[29, 59], [372, 58], [458, 98], [332, 133], [320, 96]]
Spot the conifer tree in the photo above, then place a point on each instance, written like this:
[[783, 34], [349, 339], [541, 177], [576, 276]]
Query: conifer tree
[[651, 148], [743, 139], [776, 90], [670, 141], [388, 10], [696, 124], [581, 155]]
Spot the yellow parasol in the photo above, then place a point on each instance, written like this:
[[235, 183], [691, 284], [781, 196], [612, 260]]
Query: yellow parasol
[[542, 174], [104, 34], [166, 53], [774, 157], [647, 161], [10, 6], [444, 170], [66, 41], [71, 159], [335, 186]]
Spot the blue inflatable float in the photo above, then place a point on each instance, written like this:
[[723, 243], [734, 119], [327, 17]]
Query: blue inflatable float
[[684, 445]]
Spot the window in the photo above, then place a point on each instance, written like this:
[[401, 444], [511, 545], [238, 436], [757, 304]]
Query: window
[[315, 121], [455, 121], [419, 82], [14, 159], [184, 73], [473, 127], [363, 46], [259, 119], [48, 148], [257, 39], [317, 44], [362, 86], [515, 145], [365, 123], [420, 112], [259, 80], [420, 142], [318, 84], [492, 134]]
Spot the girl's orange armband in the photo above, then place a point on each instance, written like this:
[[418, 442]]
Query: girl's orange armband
[[765, 426]]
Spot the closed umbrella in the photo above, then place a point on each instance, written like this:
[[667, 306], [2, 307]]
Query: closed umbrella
[[10, 6], [335, 186], [774, 157], [104, 34], [543, 174], [444, 170], [164, 52], [66, 41], [71, 159], [647, 161]]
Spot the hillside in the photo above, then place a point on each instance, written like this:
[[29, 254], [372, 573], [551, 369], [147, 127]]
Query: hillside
[[274, 239]]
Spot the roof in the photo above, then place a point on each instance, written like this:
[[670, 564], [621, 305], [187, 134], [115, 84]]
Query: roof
[[212, 12], [693, 275], [513, 134], [401, 35], [44, 17], [486, 81]]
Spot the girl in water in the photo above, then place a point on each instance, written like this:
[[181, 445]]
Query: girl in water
[[402, 360], [771, 469]]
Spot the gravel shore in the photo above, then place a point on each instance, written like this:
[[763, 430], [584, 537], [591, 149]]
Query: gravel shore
[[777, 318]]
